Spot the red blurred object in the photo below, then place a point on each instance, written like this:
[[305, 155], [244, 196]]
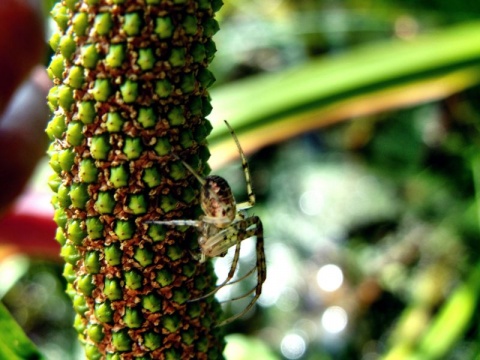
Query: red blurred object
[[28, 227]]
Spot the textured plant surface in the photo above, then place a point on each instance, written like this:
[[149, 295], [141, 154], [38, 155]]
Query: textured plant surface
[[130, 89]]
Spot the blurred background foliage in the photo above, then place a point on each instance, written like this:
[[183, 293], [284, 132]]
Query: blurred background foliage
[[372, 222]]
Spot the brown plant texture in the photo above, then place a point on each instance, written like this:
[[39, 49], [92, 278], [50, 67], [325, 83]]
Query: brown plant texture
[[130, 91]]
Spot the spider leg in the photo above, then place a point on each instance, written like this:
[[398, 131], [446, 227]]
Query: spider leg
[[246, 170], [261, 274], [196, 223]]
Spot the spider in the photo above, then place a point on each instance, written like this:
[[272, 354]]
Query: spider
[[226, 224]]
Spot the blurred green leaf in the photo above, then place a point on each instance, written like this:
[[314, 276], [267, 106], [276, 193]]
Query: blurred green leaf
[[368, 79], [14, 344]]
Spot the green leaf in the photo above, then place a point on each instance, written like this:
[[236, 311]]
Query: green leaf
[[14, 344]]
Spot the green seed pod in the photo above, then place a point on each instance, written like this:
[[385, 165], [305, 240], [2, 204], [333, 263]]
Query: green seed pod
[[152, 340], [92, 352], [101, 90], [95, 332], [115, 56], [187, 85], [206, 78], [133, 280], [164, 27], [65, 97], [56, 67], [78, 324], [113, 255], [124, 229], [63, 197], [80, 23], [105, 203], [164, 277], [190, 25], [162, 147], [115, 122], [152, 303], [144, 256], [70, 254], [137, 204], [103, 312], [67, 46], [129, 91], [147, 117], [121, 341], [132, 148], [79, 304], [146, 59], [100, 147], [176, 116], [170, 323], [66, 159], [186, 139], [60, 236], [74, 133], [54, 41], [89, 56], [79, 195], [156, 232], [151, 177], [60, 15], [133, 317], [174, 252], [133, 24], [60, 218], [177, 57], [75, 232], [188, 337], [103, 23], [168, 203], [87, 171], [75, 77], [69, 273], [86, 112], [180, 296], [92, 262], [198, 53], [177, 171], [56, 127], [163, 88], [85, 284], [113, 289], [119, 176]]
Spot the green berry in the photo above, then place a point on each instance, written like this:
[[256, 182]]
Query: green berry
[[87, 171], [151, 177], [63, 197], [163, 88], [94, 228], [177, 171], [174, 252], [210, 27], [103, 312], [146, 59], [112, 289], [133, 147], [75, 77], [164, 277], [152, 303], [56, 67], [95, 332], [69, 273], [70, 254], [60, 236], [129, 91], [171, 323], [86, 285], [89, 56], [124, 229], [133, 318], [177, 57], [175, 116], [156, 232], [206, 78], [105, 203], [80, 304], [75, 232], [144, 256], [80, 23], [152, 340], [121, 340], [133, 24], [66, 159], [187, 85], [113, 255], [86, 112], [147, 117], [190, 25], [164, 27], [133, 280], [103, 23], [119, 176], [168, 203], [65, 97], [115, 56], [101, 90], [180, 295], [162, 147], [92, 262], [74, 133], [198, 52], [79, 195], [186, 139], [115, 122], [99, 147], [137, 204], [67, 46], [60, 15]]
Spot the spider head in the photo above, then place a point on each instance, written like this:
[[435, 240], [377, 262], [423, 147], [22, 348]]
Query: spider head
[[217, 201]]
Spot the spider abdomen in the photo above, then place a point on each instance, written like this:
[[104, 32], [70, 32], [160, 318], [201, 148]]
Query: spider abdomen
[[217, 201]]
